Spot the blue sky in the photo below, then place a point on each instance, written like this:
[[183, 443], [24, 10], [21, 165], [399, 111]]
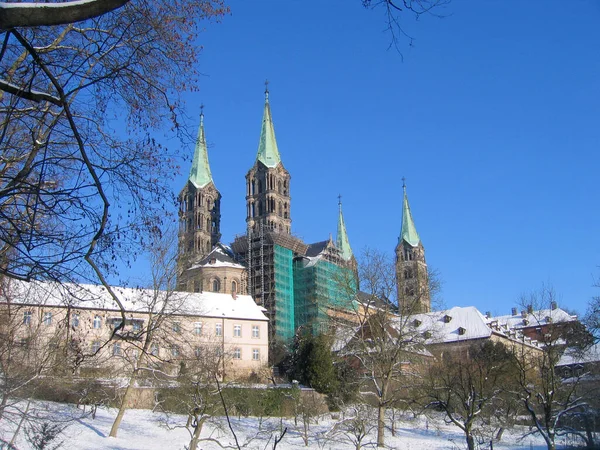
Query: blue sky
[[493, 117]]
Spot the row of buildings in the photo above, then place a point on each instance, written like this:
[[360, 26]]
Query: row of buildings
[[233, 301]]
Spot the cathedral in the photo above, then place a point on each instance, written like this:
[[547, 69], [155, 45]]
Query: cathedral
[[297, 283]]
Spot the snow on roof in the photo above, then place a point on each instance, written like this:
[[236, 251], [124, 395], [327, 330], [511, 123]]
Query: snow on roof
[[207, 304], [452, 325], [575, 356], [536, 318], [220, 256]]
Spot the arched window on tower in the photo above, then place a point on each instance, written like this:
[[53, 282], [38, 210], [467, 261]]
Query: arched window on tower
[[279, 187], [234, 287], [252, 212], [216, 285], [260, 208], [260, 189], [207, 246], [285, 187], [285, 210]]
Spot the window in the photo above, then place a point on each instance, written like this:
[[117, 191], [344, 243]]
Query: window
[[237, 331], [117, 349], [216, 285], [255, 354], [135, 354], [198, 328], [48, 318], [27, 318], [98, 322], [197, 352], [218, 330], [96, 346], [136, 325], [176, 327], [74, 320], [237, 353], [255, 331], [154, 350], [234, 287], [175, 350]]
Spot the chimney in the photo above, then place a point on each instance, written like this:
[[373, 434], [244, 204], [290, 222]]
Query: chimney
[[530, 309], [514, 311], [488, 314], [553, 306], [523, 313]]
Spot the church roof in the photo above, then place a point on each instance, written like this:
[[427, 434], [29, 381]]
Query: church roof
[[409, 231], [220, 256], [200, 174], [268, 154], [343, 244]]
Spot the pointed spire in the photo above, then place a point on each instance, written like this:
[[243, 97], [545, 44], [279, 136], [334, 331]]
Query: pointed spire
[[408, 232], [200, 174], [342, 236], [268, 154]]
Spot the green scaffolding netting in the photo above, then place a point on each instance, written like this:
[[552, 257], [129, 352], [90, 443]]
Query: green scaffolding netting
[[284, 293], [318, 286]]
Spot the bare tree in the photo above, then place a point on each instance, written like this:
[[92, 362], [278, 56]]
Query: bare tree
[[547, 400], [160, 304], [468, 385], [75, 196], [386, 346]]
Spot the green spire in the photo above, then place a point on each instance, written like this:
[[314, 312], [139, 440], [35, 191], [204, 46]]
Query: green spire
[[200, 174], [268, 154], [409, 232], [342, 237]]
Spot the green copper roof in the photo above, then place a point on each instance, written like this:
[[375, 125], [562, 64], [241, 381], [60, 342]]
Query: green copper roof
[[342, 237], [268, 154], [200, 174], [409, 232]]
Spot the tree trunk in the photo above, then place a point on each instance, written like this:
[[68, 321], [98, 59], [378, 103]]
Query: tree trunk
[[380, 426], [499, 434], [470, 442], [17, 431], [122, 408], [196, 436]]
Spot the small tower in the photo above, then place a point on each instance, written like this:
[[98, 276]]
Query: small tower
[[268, 183], [199, 210], [411, 268]]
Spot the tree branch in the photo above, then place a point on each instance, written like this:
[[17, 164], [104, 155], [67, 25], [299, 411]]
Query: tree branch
[[37, 14]]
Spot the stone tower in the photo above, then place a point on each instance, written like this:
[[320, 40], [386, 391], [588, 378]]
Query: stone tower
[[199, 209], [411, 268], [268, 184]]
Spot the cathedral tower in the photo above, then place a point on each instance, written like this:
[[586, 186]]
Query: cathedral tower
[[199, 208], [268, 183], [411, 268]]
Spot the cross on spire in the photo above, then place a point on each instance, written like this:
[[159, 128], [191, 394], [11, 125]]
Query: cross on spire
[[339, 199], [267, 89], [403, 183]]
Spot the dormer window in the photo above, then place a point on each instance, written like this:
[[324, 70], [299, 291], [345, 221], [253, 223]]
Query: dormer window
[[461, 331], [212, 261], [447, 318], [416, 323], [426, 334]]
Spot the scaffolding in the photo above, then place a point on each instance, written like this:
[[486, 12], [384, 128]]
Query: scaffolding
[[321, 285], [268, 256]]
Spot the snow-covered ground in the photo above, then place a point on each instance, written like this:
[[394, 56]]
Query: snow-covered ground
[[145, 430]]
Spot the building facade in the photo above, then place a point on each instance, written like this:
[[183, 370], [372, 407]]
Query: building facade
[[172, 330]]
